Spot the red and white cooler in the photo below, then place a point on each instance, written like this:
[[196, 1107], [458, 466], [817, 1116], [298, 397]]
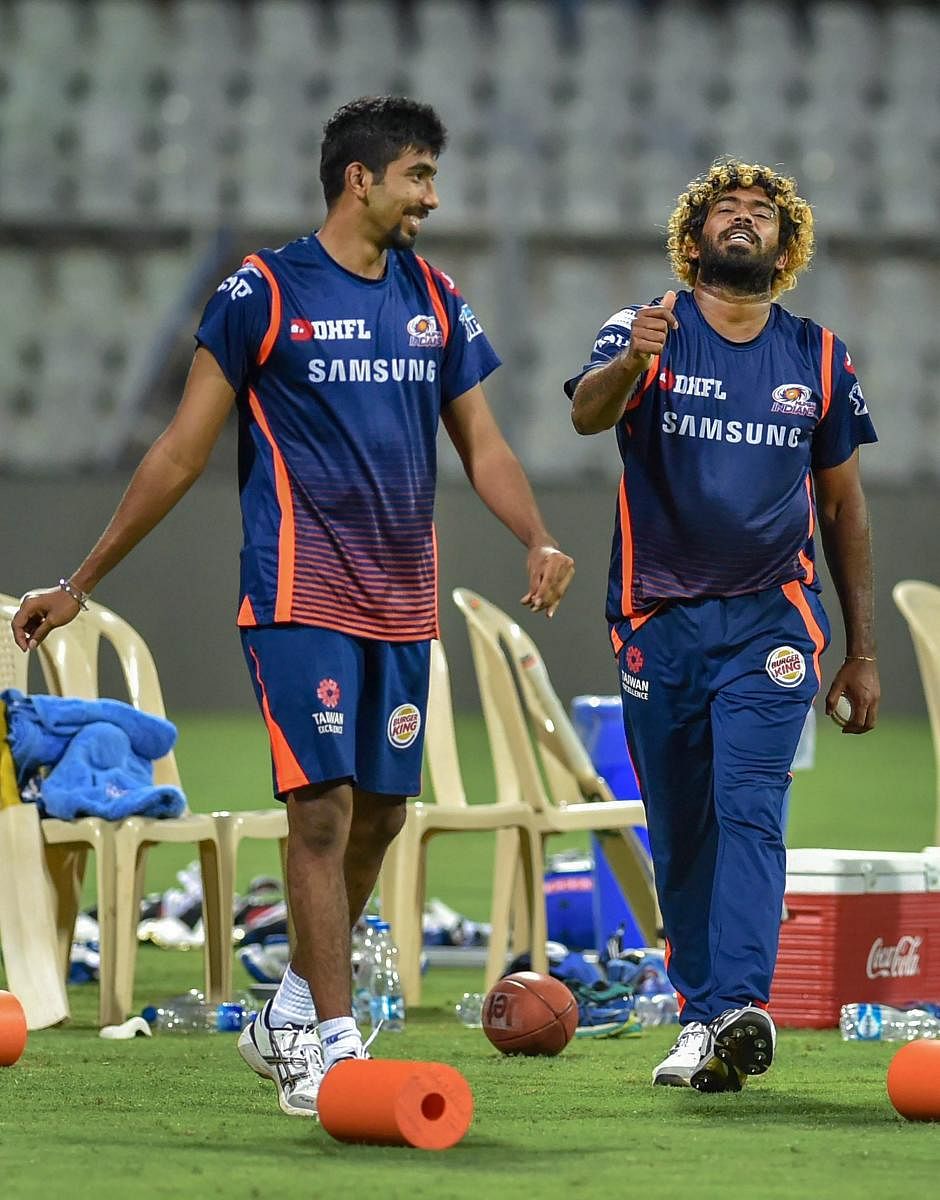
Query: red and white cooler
[[860, 926]]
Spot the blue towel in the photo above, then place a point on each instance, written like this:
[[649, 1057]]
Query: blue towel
[[98, 754]]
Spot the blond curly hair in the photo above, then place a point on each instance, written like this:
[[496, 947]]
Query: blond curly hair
[[725, 174]]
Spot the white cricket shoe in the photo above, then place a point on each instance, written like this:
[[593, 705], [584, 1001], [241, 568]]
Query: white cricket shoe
[[291, 1057], [683, 1059], [359, 1050], [740, 1042]]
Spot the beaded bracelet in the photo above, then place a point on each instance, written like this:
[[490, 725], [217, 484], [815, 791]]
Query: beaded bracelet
[[78, 596]]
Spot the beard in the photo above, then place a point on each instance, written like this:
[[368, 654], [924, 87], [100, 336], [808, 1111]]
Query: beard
[[397, 239], [746, 270]]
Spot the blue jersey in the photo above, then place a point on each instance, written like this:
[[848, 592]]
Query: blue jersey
[[340, 384], [718, 442]]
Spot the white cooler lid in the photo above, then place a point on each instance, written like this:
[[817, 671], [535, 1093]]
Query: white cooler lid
[[855, 872]]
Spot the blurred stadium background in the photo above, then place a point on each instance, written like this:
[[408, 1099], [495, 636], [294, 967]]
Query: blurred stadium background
[[146, 145]]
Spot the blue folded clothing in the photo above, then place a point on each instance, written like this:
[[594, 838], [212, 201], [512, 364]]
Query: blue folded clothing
[[95, 757]]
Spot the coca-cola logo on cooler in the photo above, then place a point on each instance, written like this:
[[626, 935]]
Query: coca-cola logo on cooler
[[900, 960]]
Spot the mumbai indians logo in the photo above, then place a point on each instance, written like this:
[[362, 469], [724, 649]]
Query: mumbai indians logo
[[793, 398], [403, 725], [423, 331], [786, 666]]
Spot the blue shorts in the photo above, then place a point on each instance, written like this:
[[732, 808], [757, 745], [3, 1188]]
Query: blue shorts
[[339, 707]]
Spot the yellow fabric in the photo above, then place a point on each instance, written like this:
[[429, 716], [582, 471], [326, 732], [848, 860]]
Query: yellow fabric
[[9, 792]]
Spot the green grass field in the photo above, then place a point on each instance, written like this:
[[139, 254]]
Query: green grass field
[[176, 1117]]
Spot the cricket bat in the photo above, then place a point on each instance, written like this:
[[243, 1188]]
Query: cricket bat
[[28, 932]]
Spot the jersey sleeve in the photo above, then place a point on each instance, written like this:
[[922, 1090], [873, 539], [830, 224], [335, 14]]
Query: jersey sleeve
[[612, 338], [847, 423], [234, 323], [468, 355]]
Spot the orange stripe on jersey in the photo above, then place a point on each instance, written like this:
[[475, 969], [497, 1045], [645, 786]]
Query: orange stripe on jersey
[[274, 324], [652, 373], [626, 551], [437, 631], [805, 561], [436, 302], [794, 593], [666, 957], [828, 348], [285, 538], [616, 641], [288, 771], [246, 614]]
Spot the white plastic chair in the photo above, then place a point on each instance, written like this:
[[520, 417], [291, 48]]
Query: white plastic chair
[[404, 872], [28, 931], [121, 846], [517, 696], [919, 604]]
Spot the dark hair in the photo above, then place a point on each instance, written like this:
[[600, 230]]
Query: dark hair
[[375, 130]]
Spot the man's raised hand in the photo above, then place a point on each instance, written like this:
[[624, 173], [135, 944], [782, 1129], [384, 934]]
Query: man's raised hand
[[651, 326]]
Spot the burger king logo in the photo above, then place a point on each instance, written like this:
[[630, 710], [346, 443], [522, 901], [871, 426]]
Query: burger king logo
[[786, 666], [403, 726]]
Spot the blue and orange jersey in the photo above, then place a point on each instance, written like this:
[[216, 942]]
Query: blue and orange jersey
[[719, 441], [340, 384]]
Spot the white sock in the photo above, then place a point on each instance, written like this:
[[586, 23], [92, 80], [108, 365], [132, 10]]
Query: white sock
[[292, 1004], [340, 1038]]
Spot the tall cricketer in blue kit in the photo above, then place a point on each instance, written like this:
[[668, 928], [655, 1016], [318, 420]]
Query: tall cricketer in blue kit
[[738, 426], [342, 352]]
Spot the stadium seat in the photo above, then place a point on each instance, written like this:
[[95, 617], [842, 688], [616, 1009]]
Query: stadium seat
[[404, 873], [510, 668], [919, 604]]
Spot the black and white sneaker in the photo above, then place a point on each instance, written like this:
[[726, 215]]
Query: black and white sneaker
[[740, 1042], [291, 1057]]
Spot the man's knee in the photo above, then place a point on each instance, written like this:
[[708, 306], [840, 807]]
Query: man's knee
[[377, 820], [319, 818]]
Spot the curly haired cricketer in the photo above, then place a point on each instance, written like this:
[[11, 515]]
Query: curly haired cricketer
[[739, 426]]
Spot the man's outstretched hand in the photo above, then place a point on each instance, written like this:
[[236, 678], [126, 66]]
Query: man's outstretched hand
[[550, 573], [41, 612]]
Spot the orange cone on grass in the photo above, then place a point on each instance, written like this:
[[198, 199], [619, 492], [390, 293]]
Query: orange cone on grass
[[386, 1102]]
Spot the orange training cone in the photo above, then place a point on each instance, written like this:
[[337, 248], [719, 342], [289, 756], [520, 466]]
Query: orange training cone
[[13, 1032], [391, 1103]]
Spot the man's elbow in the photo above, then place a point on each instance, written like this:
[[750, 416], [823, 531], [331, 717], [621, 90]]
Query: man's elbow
[[584, 423]]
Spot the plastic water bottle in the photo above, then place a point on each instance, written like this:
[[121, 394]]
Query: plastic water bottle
[[469, 1010], [192, 1013], [386, 999], [879, 1023], [661, 1008], [363, 962]]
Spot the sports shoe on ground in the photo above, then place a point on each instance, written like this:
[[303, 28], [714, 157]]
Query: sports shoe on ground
[[684, 1059], [604, 1010], [740, 1043], [291, 1057], [359, 1050]]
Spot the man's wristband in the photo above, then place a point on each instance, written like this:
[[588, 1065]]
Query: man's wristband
[[80, 597], [859, 658]]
